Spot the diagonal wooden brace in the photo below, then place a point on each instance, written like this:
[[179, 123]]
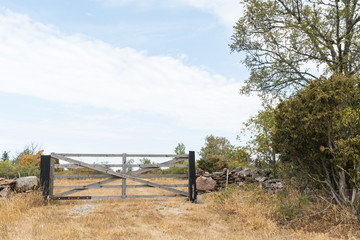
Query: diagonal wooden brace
[[120, 175]]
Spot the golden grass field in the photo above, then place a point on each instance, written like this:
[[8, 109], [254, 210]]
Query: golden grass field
[[220, 217]]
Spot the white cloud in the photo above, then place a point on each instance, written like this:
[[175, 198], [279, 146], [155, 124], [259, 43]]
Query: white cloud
[[227, 11], [37, 60]]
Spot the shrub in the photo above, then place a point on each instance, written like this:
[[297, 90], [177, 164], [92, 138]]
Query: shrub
[[317, 134]]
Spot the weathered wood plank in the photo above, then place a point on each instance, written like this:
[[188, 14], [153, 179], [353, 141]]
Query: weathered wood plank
[[152, 196], [160, 175], [123, 181], [74, 166], [51, 180], [111, 172], [83, 176], [90, 185], [114, 197], [72, 198], [185, 156], [134, 175], [116, 186]]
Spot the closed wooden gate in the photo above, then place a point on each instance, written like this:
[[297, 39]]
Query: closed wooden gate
[[48, 166]]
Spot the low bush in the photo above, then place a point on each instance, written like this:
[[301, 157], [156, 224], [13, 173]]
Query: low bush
[[8, 170]]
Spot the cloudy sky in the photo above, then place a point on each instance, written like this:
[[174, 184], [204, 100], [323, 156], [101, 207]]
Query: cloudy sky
[[114, 76]]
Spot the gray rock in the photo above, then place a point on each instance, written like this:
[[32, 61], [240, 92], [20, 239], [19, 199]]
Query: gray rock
[[246, 172], [24, 184], [201, 198], [5, 192], [261, 179], [279, 185], [238, 169], [205, 184], [261, 173], [199, 172]]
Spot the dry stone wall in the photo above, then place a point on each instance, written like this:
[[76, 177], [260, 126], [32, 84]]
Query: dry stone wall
[[20, 185], [208, 182]]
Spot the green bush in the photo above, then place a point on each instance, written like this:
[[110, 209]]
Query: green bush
[[8, 170], [212, 164], [317, 135]]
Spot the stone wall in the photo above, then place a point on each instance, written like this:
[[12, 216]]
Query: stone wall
[[208, 182], [20, 185]]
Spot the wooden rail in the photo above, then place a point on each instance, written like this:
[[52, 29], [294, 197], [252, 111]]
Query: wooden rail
[[47, 175]]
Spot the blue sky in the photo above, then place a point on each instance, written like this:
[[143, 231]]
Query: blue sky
[[117, 76]]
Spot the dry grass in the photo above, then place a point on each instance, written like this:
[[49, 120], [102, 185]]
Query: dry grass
[[230, 215]]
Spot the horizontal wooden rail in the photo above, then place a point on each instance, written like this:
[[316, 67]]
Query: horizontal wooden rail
[[74, 166], [114, 197], [120, 155], [117, 186], [138, 176]]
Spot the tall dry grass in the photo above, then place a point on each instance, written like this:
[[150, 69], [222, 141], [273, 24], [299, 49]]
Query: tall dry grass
[[231, 214], [286, 211]]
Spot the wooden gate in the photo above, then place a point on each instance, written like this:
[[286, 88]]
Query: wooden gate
[[48, 166]]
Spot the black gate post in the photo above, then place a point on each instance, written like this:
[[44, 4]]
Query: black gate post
[[45, 168], [192, 177]]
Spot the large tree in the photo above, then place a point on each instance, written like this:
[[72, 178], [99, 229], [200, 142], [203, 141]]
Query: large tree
[[285, 40]]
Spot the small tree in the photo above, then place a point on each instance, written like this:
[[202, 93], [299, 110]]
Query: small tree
[[145, 161], [213, 155], [317, 133], [180, 149], [261, 128], [30, 149], [5, 156]]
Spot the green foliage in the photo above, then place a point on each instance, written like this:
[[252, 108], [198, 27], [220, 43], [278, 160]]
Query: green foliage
[[281, 37], [145, 161], [5, 156], [30, 149], [212, 164], [215, 146], [238, 156], [260, 147], [213, 155], [31, 169], [218, 154], [26, 163], [130, 161], [290, 208], [180, 149], [8, 170], [317, 134]]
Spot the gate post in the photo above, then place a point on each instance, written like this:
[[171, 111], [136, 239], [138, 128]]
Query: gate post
[[192, 177], [47, 176]]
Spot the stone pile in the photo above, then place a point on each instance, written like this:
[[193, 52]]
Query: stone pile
[[207, 182], [20, 185]]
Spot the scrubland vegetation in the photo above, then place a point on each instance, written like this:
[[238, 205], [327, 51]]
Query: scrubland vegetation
[[234, 213]]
